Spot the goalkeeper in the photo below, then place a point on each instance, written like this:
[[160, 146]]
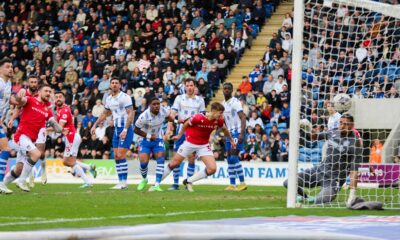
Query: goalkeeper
[[342, 158]]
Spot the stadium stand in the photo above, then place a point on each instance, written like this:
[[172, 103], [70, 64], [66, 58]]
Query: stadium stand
[[152, 46], [361, 62]]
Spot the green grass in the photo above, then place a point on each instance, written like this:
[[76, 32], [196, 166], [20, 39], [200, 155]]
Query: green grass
[[67, 206]]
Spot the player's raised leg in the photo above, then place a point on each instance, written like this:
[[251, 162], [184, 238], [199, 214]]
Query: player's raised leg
[[210, 169], [185, 106]]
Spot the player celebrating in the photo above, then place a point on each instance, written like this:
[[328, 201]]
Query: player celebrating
[[72, 141], [6, 73], [198, 130], [149, 127], [185, 106], [32, 91], [342, 156], [35, 113], [119, 104], [235, 121]]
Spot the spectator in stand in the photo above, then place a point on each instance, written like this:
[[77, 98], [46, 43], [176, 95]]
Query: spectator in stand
[[245, 87], [88, 118], [254, 75], [278, 86], [376, 152], [254, 119], [278, 71]]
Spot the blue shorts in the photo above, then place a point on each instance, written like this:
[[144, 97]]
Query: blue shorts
[[235, 135], [179, 142], [116, 141], [154, 147], [3, 133]]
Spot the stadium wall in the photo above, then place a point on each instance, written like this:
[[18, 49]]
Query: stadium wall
[[256, 173]]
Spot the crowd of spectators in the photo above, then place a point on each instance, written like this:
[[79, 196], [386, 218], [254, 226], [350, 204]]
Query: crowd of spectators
[[345, 50], [77, 46]]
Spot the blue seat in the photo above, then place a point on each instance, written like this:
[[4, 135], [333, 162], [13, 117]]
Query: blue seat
[[255, 29]]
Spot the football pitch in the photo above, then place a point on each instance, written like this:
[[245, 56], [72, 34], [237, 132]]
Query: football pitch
[[66, 206]]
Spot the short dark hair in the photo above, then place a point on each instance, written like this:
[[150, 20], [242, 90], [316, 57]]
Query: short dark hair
[[32, 76], [228, 84], [217, 106], [348, 117], [187, 80], [44, 85], [59, 92], [4, 61], [154, 99], [116, 78]]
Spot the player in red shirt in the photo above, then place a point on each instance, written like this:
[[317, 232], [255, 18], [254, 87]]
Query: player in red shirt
[[198, 130], [32, 91], [72, 141], [35, 113]]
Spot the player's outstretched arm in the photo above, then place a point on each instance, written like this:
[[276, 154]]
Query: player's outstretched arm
[[57, 127], [16, 112], [20, 98], [227, 134], [171, 120], [183, 129], [356, 152], [101, 118]]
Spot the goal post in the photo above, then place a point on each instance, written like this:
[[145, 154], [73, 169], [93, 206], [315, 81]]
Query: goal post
[[345, 60], [295, 102]]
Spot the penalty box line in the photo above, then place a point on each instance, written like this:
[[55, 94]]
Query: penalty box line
[[132, 216]]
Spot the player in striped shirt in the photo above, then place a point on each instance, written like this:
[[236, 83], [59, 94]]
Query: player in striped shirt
[[235, 121], [119, 104], [149, 128], [6, 73], [185, 106]]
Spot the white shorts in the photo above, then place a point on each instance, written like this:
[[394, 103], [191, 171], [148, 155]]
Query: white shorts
[[41, 136], [72, 149], [187, 148], [26, 144]]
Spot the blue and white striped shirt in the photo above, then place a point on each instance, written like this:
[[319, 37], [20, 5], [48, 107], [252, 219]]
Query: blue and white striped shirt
[[5, 94], [187, 107], [118, 105], [152, 124]]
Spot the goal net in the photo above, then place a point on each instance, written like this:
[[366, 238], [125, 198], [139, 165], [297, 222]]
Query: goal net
[[346, 62]]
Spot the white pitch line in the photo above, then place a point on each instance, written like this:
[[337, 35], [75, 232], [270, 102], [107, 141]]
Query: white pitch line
[[64, 220]]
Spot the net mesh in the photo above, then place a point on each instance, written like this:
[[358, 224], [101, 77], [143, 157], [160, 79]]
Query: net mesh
[[350, 55]]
